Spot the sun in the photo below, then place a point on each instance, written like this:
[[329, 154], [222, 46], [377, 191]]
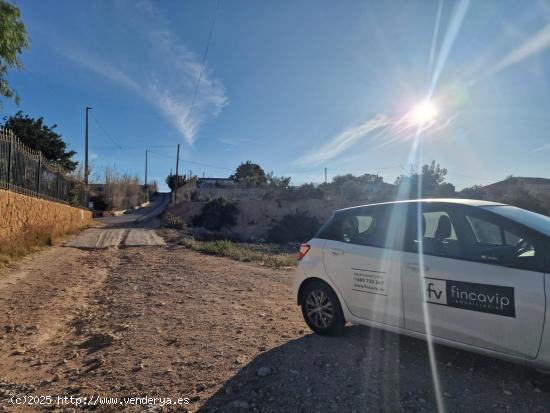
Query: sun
[[423, 113]]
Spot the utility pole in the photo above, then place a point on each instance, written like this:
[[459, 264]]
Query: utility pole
[[86, 169], [146, 187], [325, 175], [178, 160]]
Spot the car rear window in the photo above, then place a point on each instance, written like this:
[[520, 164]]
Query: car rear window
[[369, 226], [329, 230]]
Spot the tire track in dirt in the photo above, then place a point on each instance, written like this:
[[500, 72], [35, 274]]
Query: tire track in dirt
[[38, 300]]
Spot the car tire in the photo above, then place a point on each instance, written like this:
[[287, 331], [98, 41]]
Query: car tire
[[321, 309]]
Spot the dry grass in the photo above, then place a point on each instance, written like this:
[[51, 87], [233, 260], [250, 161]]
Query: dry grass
[[31, 239], [268, 255]]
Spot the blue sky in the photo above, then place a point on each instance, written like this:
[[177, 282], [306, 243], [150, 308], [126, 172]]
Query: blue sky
[[295, 86]]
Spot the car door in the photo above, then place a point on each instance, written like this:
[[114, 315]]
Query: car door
[[473, 278], [364, 263]]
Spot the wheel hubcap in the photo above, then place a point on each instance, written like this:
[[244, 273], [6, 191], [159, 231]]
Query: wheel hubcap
[[319, 309]]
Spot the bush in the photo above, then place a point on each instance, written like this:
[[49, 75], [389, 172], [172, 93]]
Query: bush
[[217, 214], [473, 192], [173, 221], [353, 191], [522, 198], [305, 191], [100, 203], [297, 227]]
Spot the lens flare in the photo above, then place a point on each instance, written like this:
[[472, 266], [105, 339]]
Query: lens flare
[[423, 113]]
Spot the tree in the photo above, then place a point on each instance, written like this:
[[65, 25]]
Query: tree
[[13, 40], [473, 192], [351, 187], [36, 135], [445, 190], [175, 181], [280, 182], [431, 181], [250, 174]]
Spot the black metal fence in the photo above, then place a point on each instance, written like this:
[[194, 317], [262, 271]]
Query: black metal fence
[[25, 170]]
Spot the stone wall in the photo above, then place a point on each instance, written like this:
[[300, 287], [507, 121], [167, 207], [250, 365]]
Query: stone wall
[[189, 192], [257, 217], [24, 219]]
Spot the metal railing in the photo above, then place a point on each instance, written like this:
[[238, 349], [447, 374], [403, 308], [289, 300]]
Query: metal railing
[[26, 171]]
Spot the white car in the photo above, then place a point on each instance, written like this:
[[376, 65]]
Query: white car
[[469, 274]]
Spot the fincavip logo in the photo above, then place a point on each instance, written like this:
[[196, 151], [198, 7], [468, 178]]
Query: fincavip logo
[[436, 291], [486, 298]]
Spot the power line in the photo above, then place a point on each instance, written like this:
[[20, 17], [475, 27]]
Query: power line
[[105, 132], [147, 147], [207, 165], [194, 162], [160, 154], [132, 148], [205, 56], [362, 169]]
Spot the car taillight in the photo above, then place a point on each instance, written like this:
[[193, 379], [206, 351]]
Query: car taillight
[[304, 248]]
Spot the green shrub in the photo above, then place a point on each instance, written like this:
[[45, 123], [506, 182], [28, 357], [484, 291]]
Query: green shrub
[[305, 191], [217, 214], [296, 227], [270, 256], [173, 221]]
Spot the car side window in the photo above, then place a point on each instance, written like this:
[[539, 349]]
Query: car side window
[[485, 232], [433, 233], [364, 226], [433, 221], [497, 242], [381, 227]]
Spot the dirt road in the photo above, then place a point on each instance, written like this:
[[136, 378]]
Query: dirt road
[[162, 321]]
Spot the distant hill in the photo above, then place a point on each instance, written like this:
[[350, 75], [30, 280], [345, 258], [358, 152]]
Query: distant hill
[[533, 185]]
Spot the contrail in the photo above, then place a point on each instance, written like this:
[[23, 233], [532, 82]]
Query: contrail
[[343, 141], [535, 44]]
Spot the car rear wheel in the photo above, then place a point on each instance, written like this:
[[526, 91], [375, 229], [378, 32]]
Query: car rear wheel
[[321, 309]]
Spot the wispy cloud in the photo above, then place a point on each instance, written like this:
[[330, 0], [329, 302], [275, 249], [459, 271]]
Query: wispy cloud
[[166, 75], [382, 131], [541, 148], [533, 45], [343, 141], [230, 142], [241, 141], [95, 64]]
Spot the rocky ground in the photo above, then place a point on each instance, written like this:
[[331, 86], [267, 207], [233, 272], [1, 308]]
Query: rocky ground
[[163, 321]]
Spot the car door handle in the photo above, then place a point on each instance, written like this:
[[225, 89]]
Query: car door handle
[[336, 251], [416, 266]]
